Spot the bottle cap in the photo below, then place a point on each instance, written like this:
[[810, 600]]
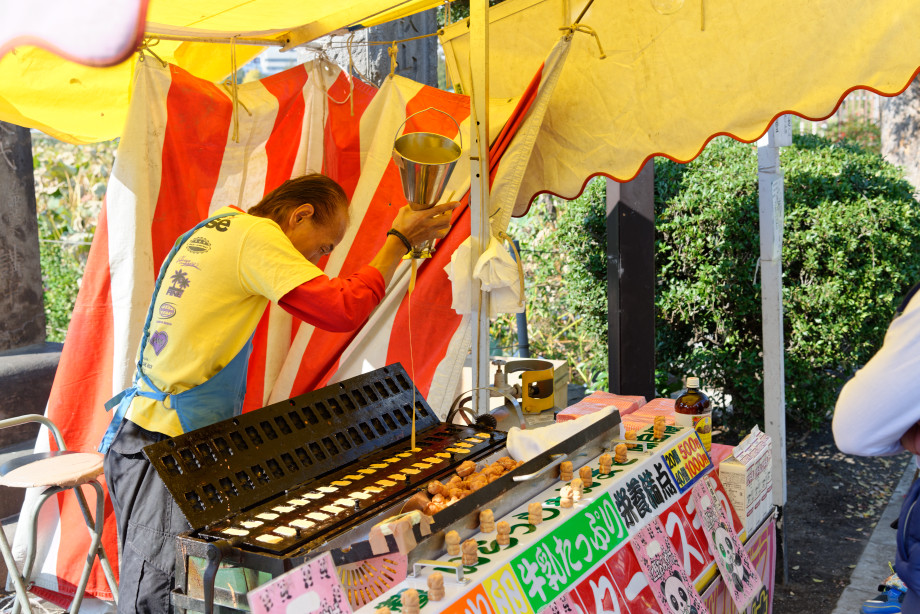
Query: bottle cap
[[693, 382]]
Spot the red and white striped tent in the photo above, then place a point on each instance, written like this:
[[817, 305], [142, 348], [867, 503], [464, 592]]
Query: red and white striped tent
[[669, 84], [184, 155]]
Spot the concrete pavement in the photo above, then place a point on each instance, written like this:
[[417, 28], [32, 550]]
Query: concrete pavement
[[872, 566]]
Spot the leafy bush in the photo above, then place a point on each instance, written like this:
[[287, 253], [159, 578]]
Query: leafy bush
[[860, 131], [70, 182], [851, 235]]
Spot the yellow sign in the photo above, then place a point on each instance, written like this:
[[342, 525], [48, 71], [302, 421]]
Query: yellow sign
[[505, 593], [687, 461]]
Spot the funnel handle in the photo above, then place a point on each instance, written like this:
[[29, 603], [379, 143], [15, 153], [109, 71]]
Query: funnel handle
[[459, 132]]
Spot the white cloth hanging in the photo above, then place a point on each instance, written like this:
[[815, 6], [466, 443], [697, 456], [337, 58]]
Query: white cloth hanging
[[498, 273]]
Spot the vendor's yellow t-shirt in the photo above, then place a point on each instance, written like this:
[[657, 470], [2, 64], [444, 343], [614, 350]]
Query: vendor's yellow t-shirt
[[210, 301]]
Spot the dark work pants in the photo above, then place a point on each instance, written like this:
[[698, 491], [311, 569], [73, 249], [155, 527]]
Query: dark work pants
[[148, 521], [911, 603]]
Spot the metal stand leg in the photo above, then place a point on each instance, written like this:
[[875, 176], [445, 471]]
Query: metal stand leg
[[95, 546], [32, 521], [103, 557], [22, 596], [782, 559]]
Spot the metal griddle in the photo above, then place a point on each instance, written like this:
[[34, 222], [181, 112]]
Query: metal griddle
[[284, 465], [278, 460]]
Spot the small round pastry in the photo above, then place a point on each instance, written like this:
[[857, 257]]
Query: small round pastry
[[466, 468]]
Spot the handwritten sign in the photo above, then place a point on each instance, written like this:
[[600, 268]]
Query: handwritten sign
[[312, 588], [687, 461], [734, 564], [670, 583]]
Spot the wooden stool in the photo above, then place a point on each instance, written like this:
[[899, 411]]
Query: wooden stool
[[55, 471]]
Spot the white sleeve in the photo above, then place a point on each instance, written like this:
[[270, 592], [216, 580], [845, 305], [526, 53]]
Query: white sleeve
[[882, 401]]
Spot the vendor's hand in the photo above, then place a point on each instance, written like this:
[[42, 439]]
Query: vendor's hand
[[424, 225]]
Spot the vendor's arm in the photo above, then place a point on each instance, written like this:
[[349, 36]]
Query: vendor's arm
[[340, 305], [417, 227], [335, 304], [881, 404]]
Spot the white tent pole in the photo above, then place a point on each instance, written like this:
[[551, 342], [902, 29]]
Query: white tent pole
[[771, 200], [479, 194]]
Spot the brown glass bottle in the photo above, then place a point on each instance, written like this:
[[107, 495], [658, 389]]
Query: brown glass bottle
[[694, 409]]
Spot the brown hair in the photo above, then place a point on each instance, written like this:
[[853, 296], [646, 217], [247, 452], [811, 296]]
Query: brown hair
[[326, 196]]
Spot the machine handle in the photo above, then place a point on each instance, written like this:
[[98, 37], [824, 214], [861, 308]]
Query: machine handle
[[457, 567], [558, 458], [459, 132], [458, 403]]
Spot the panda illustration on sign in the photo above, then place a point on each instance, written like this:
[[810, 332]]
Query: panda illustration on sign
[[734, 565], [677, 594]]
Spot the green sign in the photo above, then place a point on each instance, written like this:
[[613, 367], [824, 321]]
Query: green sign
[[552, 565]]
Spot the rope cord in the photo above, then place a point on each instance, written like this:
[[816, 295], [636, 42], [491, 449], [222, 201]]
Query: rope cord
[[411, 354], [352, 69], [322, 57], [146, 46], [392, 51], [577, 27], [234, 95]]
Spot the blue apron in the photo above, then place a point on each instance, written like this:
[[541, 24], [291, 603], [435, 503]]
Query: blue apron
[[216, 399]]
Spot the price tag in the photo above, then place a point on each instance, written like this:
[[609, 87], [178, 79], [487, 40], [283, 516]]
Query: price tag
[[687, 461], [312, 588]]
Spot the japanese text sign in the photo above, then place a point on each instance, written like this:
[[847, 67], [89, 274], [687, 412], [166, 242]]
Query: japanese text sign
[[557, 560]]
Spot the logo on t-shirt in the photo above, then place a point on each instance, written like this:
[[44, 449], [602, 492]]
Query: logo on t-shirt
[[198, 245], [159, 340], [180, 284], [167, 310], [221, 225]]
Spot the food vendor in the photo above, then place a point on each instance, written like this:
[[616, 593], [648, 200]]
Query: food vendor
[[211, 292]]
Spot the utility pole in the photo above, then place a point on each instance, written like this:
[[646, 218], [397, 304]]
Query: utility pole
[[631, 284], [22, 315], [27, 363], [416, 59]]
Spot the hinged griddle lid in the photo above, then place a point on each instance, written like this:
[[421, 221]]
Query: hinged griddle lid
[[234, 464]]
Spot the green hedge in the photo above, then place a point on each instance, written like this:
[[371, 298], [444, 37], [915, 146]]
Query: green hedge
[[70, 183], [850, 252]]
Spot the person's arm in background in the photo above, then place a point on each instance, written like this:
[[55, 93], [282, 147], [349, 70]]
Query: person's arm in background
[[881, 404]]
